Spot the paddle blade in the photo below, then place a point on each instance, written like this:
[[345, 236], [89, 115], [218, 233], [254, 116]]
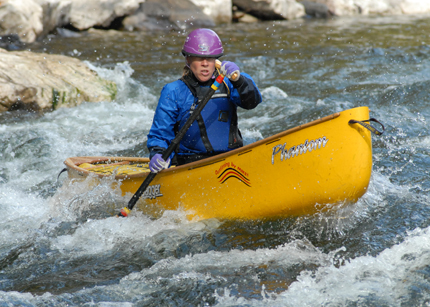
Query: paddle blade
[[124, 212]]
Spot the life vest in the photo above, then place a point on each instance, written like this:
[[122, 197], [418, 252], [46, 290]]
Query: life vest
[[217, 129]]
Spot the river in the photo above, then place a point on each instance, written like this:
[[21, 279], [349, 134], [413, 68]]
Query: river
[[61, 246]]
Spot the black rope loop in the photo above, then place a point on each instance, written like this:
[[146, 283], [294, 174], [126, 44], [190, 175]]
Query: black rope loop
[[368, 126]]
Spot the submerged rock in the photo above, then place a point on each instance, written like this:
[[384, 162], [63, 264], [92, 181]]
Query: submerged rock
[[38, 81], [11, 42]]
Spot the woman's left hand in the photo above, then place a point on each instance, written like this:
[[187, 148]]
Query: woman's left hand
[[229, 69], [157, 163]]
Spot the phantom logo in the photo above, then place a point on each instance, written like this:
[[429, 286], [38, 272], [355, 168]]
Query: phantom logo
[[307, 146]]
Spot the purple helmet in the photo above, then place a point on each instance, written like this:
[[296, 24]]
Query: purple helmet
[[203, 43]]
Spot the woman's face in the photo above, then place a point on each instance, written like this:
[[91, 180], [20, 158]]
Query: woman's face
[[202, 68]]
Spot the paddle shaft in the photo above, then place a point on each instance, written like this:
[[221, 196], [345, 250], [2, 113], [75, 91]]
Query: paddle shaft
[[126, 210]]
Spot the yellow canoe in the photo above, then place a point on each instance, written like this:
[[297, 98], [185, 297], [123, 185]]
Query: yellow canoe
[[295, 172]]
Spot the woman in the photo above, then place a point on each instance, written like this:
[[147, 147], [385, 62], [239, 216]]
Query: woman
[[216, 130]]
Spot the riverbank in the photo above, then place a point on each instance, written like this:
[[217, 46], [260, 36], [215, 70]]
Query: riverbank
[[26, 21]]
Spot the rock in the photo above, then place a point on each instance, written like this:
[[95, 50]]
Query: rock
[[150, 16], [167, 14], [22, 18], [271, 9], [56, 13], [415, 7], [67, 33], [342, 7], [318, 10], [219, 10], [239, 16], [37, 81], [395, 7], [85, 14], [31, 19], [379, 7], [11, 42]]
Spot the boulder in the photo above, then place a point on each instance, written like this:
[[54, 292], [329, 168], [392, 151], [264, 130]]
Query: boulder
[[167, 14], [85, 14], [56, 13], [38, 81], [239, 16], [317, 10], [271, 9], [150, 16], [376, 7], [22, 18], [219, 10], [343, 7], [415, 7], [30, 19]]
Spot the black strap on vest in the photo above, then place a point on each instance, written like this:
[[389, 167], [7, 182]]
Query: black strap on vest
[[198, 92]]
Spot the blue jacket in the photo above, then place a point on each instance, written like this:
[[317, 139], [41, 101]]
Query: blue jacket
[[216, 130]]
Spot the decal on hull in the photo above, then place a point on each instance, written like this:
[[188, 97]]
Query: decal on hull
[[230, 170], [152, 192], [287, 153]]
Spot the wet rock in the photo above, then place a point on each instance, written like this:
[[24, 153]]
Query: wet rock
[[11, 42], [399, 7], [149, 16], [32, 19], [67, 33], [37, 81], [239, 16], [415, 7], [167, 14], [56, 13], [343, 7], [317, 10], [219, 10], [85, 14], [271, 9], [379, 7], [22, 18]]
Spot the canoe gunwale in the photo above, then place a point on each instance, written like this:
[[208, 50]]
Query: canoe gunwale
[[73, 162]]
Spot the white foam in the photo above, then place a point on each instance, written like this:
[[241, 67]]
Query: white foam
[[23, 215], [273, 93], [227, 262]]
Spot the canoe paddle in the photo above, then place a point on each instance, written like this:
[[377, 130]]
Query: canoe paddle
[[218, 81]]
